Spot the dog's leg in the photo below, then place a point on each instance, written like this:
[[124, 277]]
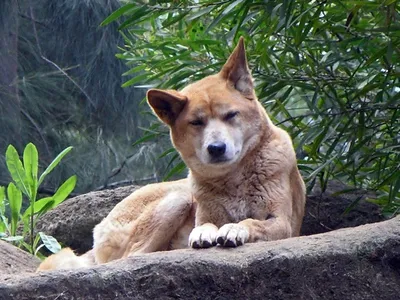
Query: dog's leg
[[276, 225], [275, 228], [204, 235], [133, 220], [66, 259], [110, 239], [155, 228], [252, 230], [285, 212]]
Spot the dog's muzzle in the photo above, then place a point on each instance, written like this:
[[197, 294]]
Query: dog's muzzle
[[217, 151]]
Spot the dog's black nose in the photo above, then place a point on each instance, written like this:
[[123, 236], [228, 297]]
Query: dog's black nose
[[216, 149]]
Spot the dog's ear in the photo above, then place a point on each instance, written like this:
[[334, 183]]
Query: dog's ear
[[237, 72], [167, 104]]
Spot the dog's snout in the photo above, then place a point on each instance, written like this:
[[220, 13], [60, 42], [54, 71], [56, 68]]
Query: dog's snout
[[216, 149]]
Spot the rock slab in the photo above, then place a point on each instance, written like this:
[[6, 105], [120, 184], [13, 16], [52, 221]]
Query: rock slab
[[15, 261], [356, 263]]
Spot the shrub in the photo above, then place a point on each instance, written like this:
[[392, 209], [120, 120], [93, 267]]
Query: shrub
[[25, 187]]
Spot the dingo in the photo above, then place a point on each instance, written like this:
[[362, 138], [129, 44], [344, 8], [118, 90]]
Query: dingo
[[243, 185]]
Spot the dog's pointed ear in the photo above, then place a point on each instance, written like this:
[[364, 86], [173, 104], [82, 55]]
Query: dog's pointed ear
[[237, 72], [167, 104]]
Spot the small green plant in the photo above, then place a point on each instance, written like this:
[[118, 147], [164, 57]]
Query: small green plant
[[25, 186]]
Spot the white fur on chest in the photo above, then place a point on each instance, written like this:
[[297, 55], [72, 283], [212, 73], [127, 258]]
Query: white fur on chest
[[238, 209]]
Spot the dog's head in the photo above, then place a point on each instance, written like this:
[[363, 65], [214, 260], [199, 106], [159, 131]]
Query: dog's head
[[214, 122]]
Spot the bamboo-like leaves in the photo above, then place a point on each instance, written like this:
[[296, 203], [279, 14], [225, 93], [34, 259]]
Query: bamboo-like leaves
[[53, 164]]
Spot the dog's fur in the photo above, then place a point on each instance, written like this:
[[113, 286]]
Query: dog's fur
[[243, 184]]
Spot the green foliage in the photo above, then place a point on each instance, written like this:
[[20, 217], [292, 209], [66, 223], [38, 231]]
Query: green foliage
[[26, 182], [49, 242], [327, 71]]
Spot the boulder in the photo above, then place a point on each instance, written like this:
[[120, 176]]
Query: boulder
[[73, 221], [357, 263], [15, 261], [331, 210]]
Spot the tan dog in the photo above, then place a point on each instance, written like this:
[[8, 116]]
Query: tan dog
[[243, 185]]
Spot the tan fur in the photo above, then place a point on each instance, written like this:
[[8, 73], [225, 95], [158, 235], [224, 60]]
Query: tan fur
[[243, 184]]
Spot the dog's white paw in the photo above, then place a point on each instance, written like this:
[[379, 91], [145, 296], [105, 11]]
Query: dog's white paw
[[232, 235], [203, 236]]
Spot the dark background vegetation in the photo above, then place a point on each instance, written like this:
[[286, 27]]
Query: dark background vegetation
[[60, 86], [327, 71]]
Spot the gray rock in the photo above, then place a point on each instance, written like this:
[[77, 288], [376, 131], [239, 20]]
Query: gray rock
[[72, 222], [327, 211], [15, 261], [357, 263]]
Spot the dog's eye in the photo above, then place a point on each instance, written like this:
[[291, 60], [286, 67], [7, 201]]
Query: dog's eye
[[197, 122], [231, 115]]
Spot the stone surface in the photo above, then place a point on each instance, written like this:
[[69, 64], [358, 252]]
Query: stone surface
[[355, 263], [327, 211], [14, 261]]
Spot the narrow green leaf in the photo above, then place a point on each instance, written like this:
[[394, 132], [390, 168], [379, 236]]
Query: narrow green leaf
[[31, 162], [168, 22], [64, 190], [15, 238], [136, 79], [43, 205], [178, 169], [225, 12], [167, 152], [17, 170], [2, 200], [38, 206], [3, 228], [134, 17], [352, 205], [119, 12], [146, 138], [201, 13], [53, 164], [395, 187], [15, 202], [135, 70], [320, 168]]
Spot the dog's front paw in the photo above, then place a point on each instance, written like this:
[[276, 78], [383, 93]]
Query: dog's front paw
[[232, 235], [203, 236]]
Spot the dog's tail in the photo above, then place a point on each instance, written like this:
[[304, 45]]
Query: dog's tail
[[67, 259]]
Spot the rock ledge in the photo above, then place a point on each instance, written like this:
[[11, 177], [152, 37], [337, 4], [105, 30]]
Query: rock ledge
[[355, 263]]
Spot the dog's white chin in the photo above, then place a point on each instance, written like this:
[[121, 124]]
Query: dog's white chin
[[210, 169]]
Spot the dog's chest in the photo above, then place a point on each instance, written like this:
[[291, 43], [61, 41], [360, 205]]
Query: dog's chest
[[236, 198], [247, 200], [237, 210]]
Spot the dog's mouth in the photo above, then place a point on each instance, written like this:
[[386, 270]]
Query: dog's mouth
[[219, 160]]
